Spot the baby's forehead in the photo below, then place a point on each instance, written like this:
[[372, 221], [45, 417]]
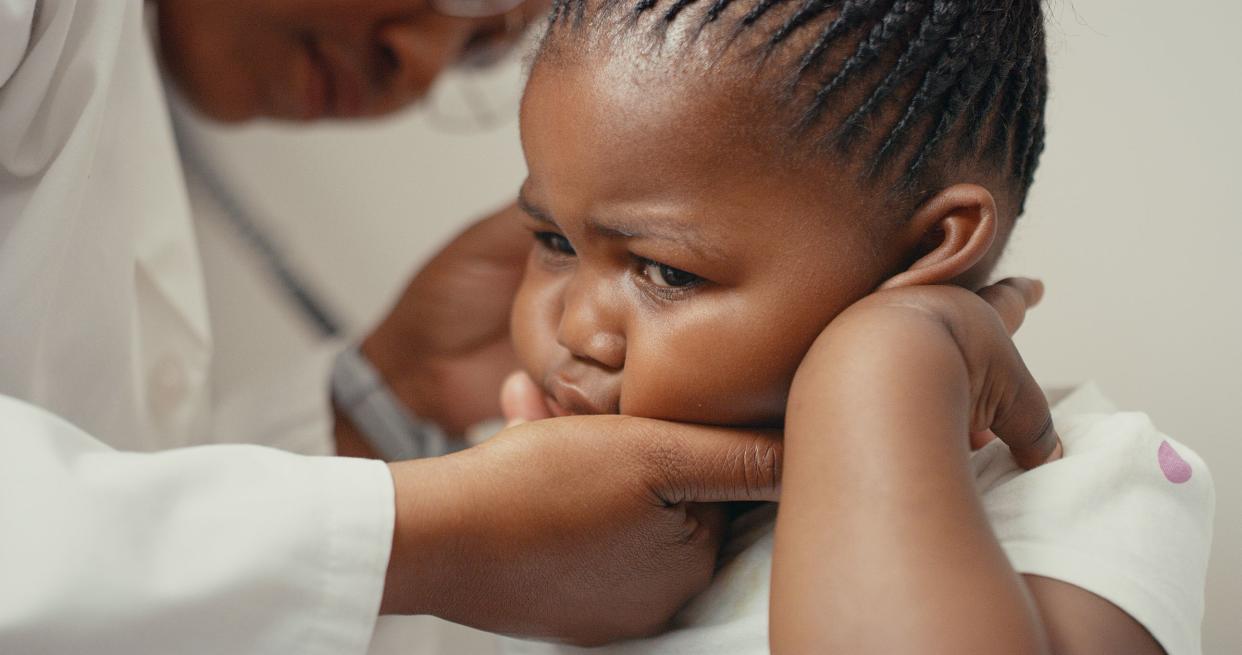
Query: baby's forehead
[[602, 126], [721, 78], [761, 46], [654, 123]]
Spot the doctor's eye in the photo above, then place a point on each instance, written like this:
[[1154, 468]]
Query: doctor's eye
[[665, 276], [555, 242]]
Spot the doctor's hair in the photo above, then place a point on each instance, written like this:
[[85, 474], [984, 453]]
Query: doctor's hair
[[900, 90]]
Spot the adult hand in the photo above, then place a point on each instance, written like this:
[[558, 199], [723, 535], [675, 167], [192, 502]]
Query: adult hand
[[584, 529], [445, 348]]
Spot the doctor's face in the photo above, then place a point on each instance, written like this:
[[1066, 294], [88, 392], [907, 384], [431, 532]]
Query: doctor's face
[[309, 59]]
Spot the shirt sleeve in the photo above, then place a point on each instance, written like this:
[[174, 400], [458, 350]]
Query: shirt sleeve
[[1126, 514], [215, 549], [16, 21]]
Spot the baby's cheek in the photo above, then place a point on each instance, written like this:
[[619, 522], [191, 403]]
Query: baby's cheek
[[698, 383], [532, 326]]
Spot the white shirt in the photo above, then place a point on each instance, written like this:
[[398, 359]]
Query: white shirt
[[103, 323], [1126, 514]]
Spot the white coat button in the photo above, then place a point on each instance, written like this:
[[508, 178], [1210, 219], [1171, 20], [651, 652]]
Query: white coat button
[[168, 385]]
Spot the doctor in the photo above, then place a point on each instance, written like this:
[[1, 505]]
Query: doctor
[[128, 524]]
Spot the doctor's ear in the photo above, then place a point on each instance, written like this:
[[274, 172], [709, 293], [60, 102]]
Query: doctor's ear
[[947, 236]]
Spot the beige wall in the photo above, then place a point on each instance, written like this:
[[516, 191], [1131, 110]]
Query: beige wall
[[1135, 224]]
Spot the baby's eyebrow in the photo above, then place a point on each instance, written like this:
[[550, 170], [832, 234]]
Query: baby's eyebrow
[[536, 213], [685, 234]]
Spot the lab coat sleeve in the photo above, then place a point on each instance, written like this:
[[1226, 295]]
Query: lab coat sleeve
[[16, 22], [216, 549]]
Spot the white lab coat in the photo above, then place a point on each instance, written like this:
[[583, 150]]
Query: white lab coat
[[103, 332]]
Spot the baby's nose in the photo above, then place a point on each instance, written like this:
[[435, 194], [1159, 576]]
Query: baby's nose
[[590, 326], [607, 350]]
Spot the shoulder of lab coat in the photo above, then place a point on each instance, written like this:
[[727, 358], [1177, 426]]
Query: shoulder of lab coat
[[215, 549], [105, 318], [16, 22]]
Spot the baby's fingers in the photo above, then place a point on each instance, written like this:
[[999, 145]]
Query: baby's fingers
[[521, 400], [1022, 419], [1011, 298]]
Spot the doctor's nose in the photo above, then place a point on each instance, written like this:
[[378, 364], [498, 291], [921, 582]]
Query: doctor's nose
[[415, 53], [590, 323]]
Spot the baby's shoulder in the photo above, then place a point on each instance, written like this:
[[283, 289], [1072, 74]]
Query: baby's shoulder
[[1108, 454], [1126, 514]]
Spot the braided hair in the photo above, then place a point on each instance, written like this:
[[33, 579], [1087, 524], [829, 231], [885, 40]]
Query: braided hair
[[900, 88]]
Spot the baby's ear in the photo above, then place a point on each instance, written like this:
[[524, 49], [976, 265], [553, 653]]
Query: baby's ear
[[947, 236]]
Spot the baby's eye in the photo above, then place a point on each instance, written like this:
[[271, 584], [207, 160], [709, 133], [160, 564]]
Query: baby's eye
[[555, 242], [663, 275]]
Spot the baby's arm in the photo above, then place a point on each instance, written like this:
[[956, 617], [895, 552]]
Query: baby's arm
[[882, 544]]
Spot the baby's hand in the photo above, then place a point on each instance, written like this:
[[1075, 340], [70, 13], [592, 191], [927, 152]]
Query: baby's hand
[[1005, 399]]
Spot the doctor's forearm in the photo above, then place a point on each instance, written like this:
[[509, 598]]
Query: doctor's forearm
[[422, 529]]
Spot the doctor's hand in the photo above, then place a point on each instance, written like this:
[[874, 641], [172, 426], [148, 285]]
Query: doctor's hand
[[584, 529], [445, 348]]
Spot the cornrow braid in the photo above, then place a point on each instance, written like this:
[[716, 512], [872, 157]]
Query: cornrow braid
[[756, 12], [715, 10], [1031, 143], [644, 5], [1014, 94], [890, 27], [810, 10], [968, 71], [899, 88], [937, 81], [853, 13], [671, 14], [927, 42]]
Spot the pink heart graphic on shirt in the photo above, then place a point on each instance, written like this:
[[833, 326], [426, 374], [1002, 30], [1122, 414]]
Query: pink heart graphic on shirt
[[1175, 469]]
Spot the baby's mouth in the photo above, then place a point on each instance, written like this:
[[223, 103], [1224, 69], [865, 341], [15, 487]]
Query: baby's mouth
[[567, 398], [555, 407]]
